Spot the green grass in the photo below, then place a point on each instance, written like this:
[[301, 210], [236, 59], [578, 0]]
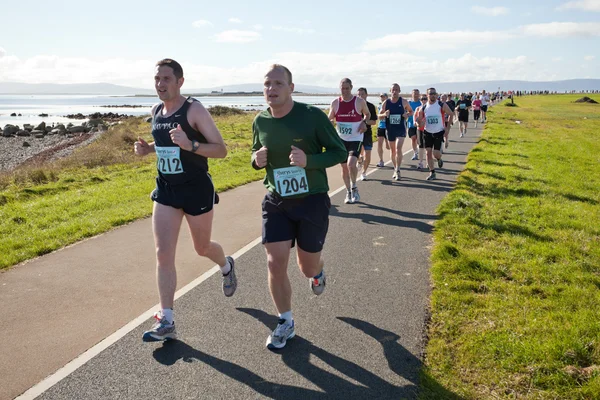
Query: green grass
[[104, 185], [516, 261]]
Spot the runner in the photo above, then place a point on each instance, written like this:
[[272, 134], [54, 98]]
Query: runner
[[412, 128], [288, 141], [185, 135], [462, 110], [485, 99], [431, 117], [381, 131], [396, 110], [476, 109], [449, 118], [350, 114], [420, 130], [368, 135]]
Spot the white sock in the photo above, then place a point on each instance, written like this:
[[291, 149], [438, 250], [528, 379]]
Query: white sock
[[167, 313], [287, 316], [226, 268]]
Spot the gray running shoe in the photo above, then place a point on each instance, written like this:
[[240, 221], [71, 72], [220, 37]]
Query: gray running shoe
[[281, 334], [160, 331], [398, 175], [415, 157], [348, 198], [355, 195], [431, 176], [230, 280], [420, 166], [380, 164], [440, 163], [318, 285]]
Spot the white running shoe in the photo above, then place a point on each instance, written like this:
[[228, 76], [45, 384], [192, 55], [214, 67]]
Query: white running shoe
[[363, 176], [380, 164], [355, 195], [281, 334], [348, 199]]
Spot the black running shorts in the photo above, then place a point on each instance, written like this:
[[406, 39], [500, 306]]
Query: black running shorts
[[194, 198], [381, 132], [353, 149], [305, 220], [434, 140], [412, 132]]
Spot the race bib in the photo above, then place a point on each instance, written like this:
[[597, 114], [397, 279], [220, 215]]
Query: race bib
[[168, 161], [344, 128], [395, 119], [433, 120], [463, 106], [290, 181]]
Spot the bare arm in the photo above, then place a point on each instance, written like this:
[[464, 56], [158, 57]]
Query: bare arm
[[332, 110], [383, 114], [408, 108], [202, 121]]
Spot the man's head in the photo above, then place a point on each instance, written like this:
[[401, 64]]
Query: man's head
[[168, 79], [362, 93], [432, 95], [416, 94], [278, 86], [346, 88], [444, 98], [395, 91], [383, 97]]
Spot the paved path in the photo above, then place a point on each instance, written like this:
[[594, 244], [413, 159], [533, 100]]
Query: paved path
[[362, 338]]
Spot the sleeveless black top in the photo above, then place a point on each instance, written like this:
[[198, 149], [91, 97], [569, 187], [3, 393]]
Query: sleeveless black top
[[175, 165]]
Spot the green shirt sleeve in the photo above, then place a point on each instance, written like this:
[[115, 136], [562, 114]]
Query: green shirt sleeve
[[256, 145], [335, 151]]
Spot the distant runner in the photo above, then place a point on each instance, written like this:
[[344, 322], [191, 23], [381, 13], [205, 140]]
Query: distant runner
[[381, 131], [412, 127], [368, 135], [350, 114], [396, 110], [462, 110]]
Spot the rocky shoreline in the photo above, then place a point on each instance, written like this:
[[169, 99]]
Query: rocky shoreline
[[28, 144]]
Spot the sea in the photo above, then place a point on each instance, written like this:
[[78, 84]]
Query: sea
[[59, 106]]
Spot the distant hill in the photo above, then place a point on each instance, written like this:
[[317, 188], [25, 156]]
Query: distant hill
[[80, 88], [110, 89]]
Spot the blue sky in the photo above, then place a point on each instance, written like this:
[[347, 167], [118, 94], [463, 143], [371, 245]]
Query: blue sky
[[233, 41]]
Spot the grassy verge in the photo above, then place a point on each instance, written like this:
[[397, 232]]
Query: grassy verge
[[101, 186], [516, 261]]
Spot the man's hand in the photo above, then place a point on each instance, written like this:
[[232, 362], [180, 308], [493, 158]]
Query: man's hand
[[362, 127], [179, 137], [298, 157], [260, 158], [141, 147]]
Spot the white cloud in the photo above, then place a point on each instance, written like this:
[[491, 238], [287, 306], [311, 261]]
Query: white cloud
[[556, 59], [436, 40], [200, 23], [300, 31], [585, 5], [237, 36], [589, 58], [235, 20], [2, 52], [490, 11], [563, 29], [257, 27]]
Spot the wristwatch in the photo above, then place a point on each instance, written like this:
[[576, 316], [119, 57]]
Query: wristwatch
[[195, 145]]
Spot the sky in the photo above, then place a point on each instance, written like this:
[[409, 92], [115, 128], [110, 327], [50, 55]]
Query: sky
[[233, 41]]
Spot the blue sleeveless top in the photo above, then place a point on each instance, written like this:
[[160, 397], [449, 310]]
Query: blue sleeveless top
[[413, 105]]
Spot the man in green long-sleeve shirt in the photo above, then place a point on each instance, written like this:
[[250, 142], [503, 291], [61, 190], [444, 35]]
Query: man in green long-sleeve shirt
[[295, 143]]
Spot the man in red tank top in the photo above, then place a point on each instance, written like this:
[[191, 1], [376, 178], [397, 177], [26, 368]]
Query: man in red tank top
[[350, 115]]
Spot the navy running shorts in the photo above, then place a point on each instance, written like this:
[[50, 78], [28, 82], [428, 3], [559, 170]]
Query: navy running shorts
[[195, 197], [305, 220]]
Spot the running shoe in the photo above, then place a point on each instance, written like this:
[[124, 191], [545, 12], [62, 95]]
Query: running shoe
[[363, 176], [440, 163], [380, 164], [415, 157], [462, 134], [398, 175], [281, 334], [160, 331], [348, 198], [446, 144], [420, 166], [431, 176], [230, 280], [395, 176], [317, 285], [355, 195]]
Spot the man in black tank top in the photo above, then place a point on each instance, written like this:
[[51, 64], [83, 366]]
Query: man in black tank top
[[185, 136]]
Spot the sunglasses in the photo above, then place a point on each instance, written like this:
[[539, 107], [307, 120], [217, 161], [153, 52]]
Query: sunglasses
[[431, 94]]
